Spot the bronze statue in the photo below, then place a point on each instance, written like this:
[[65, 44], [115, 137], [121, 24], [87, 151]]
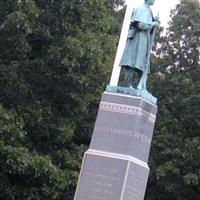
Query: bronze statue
[[140, 40]]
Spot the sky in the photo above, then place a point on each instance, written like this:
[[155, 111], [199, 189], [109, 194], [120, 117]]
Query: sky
[[161, 6]]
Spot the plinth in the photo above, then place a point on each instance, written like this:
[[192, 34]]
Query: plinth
[[115, 166]]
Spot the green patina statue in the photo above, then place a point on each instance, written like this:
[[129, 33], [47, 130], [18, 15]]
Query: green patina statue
[[139, 43], [136, 55]]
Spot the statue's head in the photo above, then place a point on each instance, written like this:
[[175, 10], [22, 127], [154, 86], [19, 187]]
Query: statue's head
[[150, 2]]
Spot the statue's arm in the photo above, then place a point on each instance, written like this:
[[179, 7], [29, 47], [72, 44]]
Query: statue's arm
[[146, 27]]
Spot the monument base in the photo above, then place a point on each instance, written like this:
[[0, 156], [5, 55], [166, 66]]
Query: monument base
[[133, 92], [115, 166], [108, 176]]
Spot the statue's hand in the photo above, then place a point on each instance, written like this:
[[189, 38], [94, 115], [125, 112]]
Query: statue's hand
[[156, 24]]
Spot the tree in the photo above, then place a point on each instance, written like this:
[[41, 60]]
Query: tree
[[56, 57], [174, 157]]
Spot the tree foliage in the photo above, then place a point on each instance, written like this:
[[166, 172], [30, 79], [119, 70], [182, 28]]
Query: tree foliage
[[54, 63], [174, 158]]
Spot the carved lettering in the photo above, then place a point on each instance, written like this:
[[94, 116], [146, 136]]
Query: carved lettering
[[104, 129]]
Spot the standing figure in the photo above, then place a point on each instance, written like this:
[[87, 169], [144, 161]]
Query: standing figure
[[140, 40]]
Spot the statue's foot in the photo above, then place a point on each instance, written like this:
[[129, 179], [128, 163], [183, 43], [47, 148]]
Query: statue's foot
[[140, 89], [145, 94], [144, 91]]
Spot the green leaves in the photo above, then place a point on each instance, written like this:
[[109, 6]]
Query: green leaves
[[11, 132], [55, 61], [183, 36], [33, 171], [174, 158]]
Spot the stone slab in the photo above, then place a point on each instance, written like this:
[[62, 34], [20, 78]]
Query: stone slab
[[115, 166], [106, 176], [130, 100], [124, 125], [136, 182]]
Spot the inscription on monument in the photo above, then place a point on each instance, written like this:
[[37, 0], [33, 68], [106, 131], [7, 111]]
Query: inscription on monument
[[136, 182], [103, 178], [100, 129], [124, 129]]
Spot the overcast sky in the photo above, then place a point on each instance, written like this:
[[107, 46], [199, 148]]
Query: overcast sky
[[161, 6]]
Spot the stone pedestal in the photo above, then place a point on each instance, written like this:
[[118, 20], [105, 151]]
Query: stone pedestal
[[115, 166]]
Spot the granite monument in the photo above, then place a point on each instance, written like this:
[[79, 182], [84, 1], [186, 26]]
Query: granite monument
[[115, 166]]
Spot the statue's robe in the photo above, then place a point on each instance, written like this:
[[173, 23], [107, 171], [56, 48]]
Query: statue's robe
[[139, 37]]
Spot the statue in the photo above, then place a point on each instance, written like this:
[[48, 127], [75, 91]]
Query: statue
[[136, 56]]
